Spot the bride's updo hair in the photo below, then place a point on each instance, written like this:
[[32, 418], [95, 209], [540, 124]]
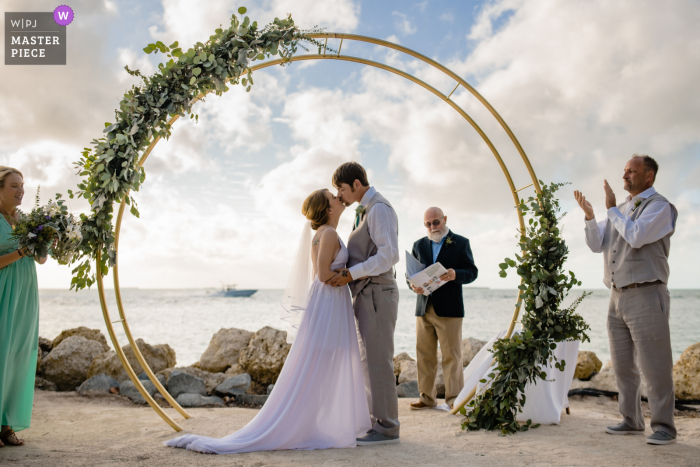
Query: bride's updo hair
[[6, 172], [315, 208]]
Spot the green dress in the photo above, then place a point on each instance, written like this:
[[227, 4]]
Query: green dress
[[19, 334]]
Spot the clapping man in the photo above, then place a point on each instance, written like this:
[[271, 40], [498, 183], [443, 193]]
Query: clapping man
[[439, 315], [635, 239]]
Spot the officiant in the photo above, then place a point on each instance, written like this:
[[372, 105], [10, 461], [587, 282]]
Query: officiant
[[439, 315]]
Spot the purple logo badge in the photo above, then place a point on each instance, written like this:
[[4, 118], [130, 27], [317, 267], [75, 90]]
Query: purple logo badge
[[63, 15]]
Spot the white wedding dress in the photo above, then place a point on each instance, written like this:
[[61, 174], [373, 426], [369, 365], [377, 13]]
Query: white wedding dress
[[319, 399]]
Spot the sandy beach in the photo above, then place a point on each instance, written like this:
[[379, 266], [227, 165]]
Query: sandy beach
[[69, 429]]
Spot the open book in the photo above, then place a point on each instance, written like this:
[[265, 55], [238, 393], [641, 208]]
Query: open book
[[420, 276]]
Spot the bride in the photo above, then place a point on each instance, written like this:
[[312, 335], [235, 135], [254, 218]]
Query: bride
[[319, 399]]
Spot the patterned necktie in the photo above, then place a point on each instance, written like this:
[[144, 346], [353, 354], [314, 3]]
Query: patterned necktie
[[358, 212]]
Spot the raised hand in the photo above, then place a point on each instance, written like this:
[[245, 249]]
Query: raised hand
[[610, 201], [585, 205]]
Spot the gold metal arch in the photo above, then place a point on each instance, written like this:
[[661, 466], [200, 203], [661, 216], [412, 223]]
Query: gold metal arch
[[323, 56]]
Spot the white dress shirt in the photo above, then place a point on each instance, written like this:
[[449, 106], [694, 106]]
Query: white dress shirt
[[655, 222], [383, 229]]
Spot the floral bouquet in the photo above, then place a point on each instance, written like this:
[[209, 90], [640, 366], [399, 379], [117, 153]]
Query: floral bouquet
[[44, 224]]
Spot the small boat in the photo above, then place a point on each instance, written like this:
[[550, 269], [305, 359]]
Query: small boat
[[231, 291]]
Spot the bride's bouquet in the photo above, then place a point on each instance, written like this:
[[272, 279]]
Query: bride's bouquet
[[44, 224]]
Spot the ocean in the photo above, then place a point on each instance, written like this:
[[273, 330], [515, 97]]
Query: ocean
[[187, 318]]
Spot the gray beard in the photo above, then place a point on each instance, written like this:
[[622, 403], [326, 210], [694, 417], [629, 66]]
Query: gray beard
[[439, 235]]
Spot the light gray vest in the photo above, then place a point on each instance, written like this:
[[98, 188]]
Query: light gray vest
[[625, 265], [361, 248]]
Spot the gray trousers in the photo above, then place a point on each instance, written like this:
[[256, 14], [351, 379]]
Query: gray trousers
[[638, 322], [376, 309]]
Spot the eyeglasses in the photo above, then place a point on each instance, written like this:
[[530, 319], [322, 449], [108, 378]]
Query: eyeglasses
[[435, 223]]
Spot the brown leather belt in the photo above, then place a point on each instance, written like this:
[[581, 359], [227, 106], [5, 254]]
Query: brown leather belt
[[637, 285]]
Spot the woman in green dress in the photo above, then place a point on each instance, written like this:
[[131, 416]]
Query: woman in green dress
[[19, 316]]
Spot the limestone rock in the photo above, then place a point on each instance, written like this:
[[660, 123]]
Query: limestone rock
[[234, 370], [470, 347], [44, 385], [238, 384], [211, 380], [686, 374], [407, 371], [403, 356], [408, 389], [265, 355], [587, 365], [182, 383], [198, 400], [45, 344], [38, 359], [128, 389], [224, 349], [87, 333], [158, 357], [97, 385], [68, 363]]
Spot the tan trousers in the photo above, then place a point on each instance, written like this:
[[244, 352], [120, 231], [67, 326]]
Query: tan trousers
[[638, 322], [431, 329]]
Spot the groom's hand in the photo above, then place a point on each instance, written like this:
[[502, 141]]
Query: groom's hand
[[342, 278]]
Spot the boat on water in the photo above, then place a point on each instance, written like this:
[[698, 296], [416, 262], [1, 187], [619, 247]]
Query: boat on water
[[232, 291]]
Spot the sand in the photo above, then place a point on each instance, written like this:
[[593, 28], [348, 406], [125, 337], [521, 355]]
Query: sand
[[71, 430]]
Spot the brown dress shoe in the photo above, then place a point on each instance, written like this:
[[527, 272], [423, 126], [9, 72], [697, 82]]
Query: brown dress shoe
[[419, 406]]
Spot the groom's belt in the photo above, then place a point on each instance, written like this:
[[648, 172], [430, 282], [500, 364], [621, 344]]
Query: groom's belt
[[637, 285]]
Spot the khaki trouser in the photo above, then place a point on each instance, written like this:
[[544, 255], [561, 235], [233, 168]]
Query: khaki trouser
[[638, 322], [376, 309], [431, 329]]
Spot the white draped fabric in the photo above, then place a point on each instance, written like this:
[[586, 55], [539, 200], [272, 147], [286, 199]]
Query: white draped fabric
[[545, 400], [319, 399]]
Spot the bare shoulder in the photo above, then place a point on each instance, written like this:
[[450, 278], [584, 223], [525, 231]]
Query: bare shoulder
[[329, 235]]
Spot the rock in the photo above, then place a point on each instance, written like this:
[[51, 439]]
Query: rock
[[234, 370], [211, 380], [87, 333], [38, 359], [128, 389], [470, 347], [161, 379], [45, 344], [408, 389], [44, 385], [68, 363], [686, 374], [224, 349], [238, 384], [270, 388], [158, 357], [265, 355], [403, 356], [180, 382], [250, 400], [587, 365], [97, 385], [407, 371], [198, 400]]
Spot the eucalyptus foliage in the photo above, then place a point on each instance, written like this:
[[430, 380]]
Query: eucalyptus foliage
[[110, 169], [519, 360]]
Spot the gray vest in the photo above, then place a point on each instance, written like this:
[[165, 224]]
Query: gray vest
[[625, 265], [361, 248]]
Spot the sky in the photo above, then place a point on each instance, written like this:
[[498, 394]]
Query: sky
[[582, 84]]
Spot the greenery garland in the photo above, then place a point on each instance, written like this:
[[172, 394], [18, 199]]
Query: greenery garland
[[544, 285], [110, 169]]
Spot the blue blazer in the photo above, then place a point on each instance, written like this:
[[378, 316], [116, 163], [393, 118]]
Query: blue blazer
[[454, 254]]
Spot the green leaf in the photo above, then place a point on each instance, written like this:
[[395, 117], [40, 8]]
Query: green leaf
[[148, 50], [196, 71], [212, 58], [134, 211], [242, 10], [193, 80], [173, 45]]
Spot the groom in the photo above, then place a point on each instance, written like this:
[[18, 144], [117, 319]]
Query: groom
[[373, 248]]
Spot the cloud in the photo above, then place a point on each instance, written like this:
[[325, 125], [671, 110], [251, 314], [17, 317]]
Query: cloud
[[188, 22], [403, 24]]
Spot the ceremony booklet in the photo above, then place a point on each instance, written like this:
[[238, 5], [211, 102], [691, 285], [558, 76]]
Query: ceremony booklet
[[420, 276]]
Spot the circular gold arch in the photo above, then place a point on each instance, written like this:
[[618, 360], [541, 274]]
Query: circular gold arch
[[323, 56]]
